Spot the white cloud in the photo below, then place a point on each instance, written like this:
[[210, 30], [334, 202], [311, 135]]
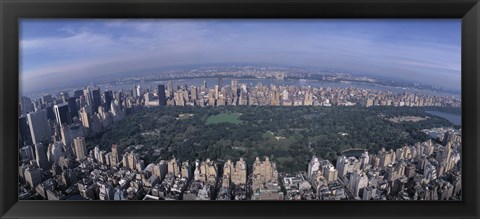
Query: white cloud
[[121, 45]]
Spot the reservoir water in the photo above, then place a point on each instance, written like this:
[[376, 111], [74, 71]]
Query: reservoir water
[[455, 119]]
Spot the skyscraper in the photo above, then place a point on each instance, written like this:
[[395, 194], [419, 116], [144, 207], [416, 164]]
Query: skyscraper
[[88, 96], [170, 88], [77, 93], [62, 113], [108, 100], [80, 147], [239, 174], [194, 93], [50, 112], [38, 123], [73, 107], [114, 158], [26, 153], [41, 155], [220, 82], [161, 95], [138, 90], [234, 86], [33, 176], [47, 99], [26, 105], [23, 131], [96, 99]]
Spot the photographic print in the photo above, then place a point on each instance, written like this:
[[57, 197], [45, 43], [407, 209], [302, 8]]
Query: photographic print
[[240, 109]]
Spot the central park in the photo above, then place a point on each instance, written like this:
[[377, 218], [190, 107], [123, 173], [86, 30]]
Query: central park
[[285, 134]]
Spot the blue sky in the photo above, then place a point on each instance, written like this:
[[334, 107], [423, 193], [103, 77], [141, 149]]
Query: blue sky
[[55, 52]]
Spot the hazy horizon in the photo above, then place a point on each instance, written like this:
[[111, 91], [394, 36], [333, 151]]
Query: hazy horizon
[[69, 51]]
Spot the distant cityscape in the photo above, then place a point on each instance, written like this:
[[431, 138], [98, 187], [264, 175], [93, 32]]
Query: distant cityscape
[[55, 163]]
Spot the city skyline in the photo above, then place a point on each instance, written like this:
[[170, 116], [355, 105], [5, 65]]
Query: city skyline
[[212, 109], [147, 128], [71, 51]]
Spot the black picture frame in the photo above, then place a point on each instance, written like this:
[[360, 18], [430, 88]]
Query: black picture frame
[[12, 10]]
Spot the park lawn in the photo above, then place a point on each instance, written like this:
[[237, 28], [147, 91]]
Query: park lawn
[[233, 118]]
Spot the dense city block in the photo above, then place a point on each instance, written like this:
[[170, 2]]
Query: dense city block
[[239, 141]]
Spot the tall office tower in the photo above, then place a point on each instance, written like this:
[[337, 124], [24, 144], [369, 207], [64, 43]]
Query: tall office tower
[[73, 107], [285, 95], [211, 98], [358, 181], [275, 99], [133, 92], [33, 176], [173, 167], [106, 192], [57, 151], [234, 86], [64, 97], [116, 111], [87, 95], [50, 112], [85, 118], [186, 169], [81, 102], [239, 173], [140, 165], [41, 156], [57, 132], [77, 94], [38, 105], [450, 137], [430, 172], [264, 172], [26, 105], [80, 147], [138, 90], [170, 89], [115, 158], [217, 92], [313, 167], [70, 132], [120, 98], [228, 168], [47, 99], [204, 85], [38, 123], [364, 160], [24, 135], [132, 159], [147, 96], [26, 154], [346, 165], [108, 100], [329, 171], [206, 171], [179, 101], [96, 99], [162, 98], [193, 93], [220, 82], [96, 153], [62, 113], [160, 169]]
